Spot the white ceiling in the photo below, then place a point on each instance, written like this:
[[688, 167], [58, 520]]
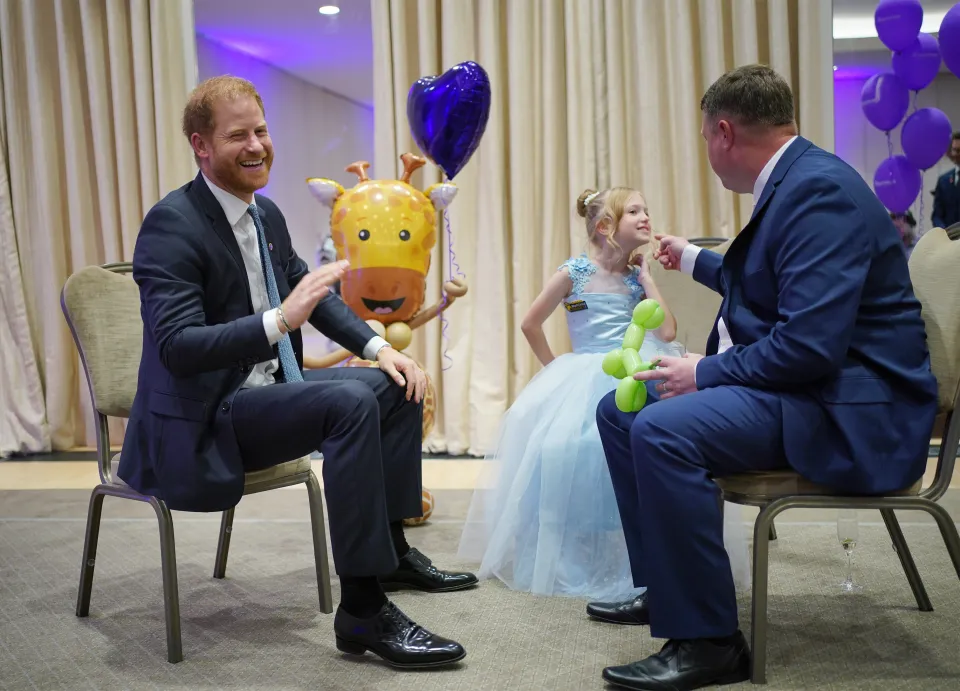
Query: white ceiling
[[333, 52], [854, 18], [336, 52]]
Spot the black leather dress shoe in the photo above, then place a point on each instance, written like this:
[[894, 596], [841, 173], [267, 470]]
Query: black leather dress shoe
[[416, 571], [395, 638], [630, 612], [686, 665]]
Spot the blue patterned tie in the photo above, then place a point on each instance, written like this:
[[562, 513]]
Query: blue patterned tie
[[288, 361]]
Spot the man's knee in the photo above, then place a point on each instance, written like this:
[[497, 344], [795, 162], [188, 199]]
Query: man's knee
[[356, 397], [607, 410], [656, 428]]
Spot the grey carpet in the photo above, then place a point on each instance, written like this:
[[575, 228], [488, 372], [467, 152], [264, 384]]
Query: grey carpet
[[261, 628]]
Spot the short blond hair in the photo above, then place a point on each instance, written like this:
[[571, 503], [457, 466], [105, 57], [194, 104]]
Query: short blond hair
[[198, 113]]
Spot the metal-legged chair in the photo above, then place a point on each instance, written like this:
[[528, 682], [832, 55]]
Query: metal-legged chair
[[102, 307]]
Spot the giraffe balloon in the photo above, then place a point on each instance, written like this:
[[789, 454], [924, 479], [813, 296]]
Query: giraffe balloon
[[386, 229]]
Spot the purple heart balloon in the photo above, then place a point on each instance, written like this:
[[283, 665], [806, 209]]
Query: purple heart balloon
[[448, 115]]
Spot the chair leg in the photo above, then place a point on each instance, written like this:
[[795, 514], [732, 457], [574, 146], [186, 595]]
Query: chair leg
[[948, 529], [906, 560], [772, 535], [171, 593], [315, 496], [758, 624], [223, 546], [89, 551]]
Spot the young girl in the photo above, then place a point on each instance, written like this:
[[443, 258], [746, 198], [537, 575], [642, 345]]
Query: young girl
[[545, 520]]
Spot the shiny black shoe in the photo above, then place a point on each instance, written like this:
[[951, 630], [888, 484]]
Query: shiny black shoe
[[395, 638], [417, 572], [629, 612], [686, 665]]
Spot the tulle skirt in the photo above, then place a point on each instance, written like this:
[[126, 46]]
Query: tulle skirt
[[544, 517]]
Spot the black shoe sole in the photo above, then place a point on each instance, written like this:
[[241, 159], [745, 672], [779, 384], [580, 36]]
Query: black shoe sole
[[352, 648], [621, 622], [732, 678], [399, 585]]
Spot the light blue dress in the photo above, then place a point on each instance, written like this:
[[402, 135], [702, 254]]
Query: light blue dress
[[544, 517]]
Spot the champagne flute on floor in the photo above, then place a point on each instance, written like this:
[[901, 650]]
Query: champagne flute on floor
[[848, 529]]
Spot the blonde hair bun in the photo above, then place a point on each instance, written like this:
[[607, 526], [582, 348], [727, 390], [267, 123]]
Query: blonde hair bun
[[583, 201]]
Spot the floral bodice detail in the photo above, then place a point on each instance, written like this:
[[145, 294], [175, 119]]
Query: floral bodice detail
[[581, 269]]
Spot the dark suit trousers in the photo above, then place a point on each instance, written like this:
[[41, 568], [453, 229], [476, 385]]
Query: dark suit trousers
[[662, 461], [370, 437]]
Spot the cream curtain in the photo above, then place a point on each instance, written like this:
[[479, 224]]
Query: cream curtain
[[586, 93], [90, 102]]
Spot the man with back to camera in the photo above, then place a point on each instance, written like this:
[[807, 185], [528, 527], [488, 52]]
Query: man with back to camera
[[221, 391], [817, 356]]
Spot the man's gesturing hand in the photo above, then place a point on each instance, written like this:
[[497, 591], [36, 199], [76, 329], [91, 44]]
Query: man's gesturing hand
[[312, 288], [669, 251], [676, 375]]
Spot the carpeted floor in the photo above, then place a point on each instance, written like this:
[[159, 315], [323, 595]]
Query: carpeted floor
[[261, 629]]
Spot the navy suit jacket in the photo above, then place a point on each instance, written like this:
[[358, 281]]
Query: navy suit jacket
[[820, 308], [946, 201], [201, 339]]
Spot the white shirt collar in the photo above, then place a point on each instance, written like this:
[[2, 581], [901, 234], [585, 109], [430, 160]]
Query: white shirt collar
[[768, 171], [234, 208]]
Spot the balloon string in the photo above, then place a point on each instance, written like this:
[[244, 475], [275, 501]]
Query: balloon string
[[920, 212], [453, 270], [889, 144], [916, 95]]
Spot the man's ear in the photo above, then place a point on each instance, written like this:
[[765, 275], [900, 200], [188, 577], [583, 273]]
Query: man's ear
[[201, 148], [726, 131]]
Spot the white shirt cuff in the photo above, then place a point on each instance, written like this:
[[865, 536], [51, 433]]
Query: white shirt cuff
[[270, 326], [373, 347], [688, 259]]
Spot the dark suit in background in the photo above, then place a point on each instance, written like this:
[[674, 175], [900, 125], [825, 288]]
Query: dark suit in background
[[946, 200]]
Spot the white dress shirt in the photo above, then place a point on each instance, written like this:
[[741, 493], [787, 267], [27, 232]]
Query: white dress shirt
[[689, 257], [235, 209]]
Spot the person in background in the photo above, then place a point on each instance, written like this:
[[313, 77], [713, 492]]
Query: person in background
[[907, 226], [946, 196]]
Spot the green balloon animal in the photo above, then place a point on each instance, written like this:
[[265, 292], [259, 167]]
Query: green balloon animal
[[625, 361]]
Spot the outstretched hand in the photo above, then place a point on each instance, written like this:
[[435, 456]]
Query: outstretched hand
[[670, 250], [404, 371], [676, 375]]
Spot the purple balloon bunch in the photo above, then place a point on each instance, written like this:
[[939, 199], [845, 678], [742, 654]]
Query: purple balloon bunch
[[885, 97]]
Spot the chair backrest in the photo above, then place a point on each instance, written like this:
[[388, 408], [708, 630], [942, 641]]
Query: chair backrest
[[936, 282], [694, 306], [710, 242], [102, 307]]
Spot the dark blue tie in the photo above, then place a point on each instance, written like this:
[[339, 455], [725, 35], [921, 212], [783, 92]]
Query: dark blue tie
[[288, 361]]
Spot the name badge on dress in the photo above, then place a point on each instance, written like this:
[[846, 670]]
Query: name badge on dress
[[575, 305]]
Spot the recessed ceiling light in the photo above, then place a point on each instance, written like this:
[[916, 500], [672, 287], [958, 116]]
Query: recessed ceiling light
[[329, 9]]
